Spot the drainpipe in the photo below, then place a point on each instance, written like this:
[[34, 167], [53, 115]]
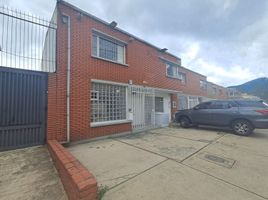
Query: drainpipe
[[68, 22], [68, 78]]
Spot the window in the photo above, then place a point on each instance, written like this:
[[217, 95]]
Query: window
[[108, 48], [159, 104], [192, 101], [108, 102], [182, 77], [220, 105], [173, 71], [205, 105], [214, 90], [251, 103], [203, 85]]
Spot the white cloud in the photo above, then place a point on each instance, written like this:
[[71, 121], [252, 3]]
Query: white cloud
[[191, 53], [221, 75]]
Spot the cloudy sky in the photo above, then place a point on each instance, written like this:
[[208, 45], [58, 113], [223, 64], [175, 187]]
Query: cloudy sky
[[226, 40]]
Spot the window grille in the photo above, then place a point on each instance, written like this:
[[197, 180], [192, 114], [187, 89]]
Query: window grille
[[94, 95], [108, 102]]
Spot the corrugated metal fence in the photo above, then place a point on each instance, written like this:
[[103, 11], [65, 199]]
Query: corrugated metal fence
[[22, 108]]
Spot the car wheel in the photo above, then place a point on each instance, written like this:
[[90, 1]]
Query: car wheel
[[185, 122], [242, 127]]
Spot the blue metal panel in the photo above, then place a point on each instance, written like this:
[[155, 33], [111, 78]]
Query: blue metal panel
[[23, 101]]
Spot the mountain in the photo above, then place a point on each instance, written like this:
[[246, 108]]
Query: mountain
[[257, 87]]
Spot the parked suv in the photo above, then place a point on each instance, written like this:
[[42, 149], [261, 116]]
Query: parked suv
[[242, 116]]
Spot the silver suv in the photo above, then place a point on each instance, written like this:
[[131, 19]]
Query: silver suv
[[242, 116]]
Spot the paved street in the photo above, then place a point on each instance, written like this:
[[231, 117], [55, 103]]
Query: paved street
[[172, 163]]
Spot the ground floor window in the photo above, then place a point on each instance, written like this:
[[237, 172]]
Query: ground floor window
[[159, 104], [192, 101], [186, 102], [108, 102]]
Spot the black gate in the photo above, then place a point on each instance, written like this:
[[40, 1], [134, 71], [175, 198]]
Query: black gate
[[23, 101]]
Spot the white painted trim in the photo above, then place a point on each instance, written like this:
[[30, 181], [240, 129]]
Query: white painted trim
[[107, 123], [109, 36], [126, 84], [108, 82]]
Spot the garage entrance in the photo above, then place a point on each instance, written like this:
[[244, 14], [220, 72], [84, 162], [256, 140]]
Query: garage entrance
[[23, 101]]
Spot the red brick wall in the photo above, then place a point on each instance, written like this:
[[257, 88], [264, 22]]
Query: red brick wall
[[192, 86], [144, 68], [78, 182]]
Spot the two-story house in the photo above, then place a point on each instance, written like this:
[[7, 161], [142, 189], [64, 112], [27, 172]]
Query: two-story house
[[109, 81]]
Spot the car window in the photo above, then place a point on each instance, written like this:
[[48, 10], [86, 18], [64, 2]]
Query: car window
[[205, 105], [260, 104], [220, 105], [233, 104]]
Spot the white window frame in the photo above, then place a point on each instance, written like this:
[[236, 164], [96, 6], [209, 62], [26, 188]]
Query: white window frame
[[178, 74], [111, 122], [181, 74], [116, 41], [203, 85], [163, 104], [214, 90]]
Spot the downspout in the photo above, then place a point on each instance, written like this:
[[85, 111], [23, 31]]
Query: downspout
[[66, 20], [68, 78]]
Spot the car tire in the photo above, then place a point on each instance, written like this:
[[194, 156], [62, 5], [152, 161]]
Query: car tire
[[185, 122], [242, 127]]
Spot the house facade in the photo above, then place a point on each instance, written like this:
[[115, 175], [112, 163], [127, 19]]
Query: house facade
[[196, 89], [108, 81]]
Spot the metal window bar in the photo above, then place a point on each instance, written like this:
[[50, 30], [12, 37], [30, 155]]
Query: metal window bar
[[111, 102], [26, 41]]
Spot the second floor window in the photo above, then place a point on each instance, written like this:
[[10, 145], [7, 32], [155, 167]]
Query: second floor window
[[173, 71], [182, 77], [203, 85], [108, 48], [214, 90]]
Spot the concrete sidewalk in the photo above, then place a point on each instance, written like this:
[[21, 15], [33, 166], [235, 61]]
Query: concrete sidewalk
[[171, 163], [29, 174]]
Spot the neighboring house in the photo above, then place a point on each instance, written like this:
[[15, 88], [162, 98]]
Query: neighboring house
[[197, 89], [215, 91], [233, 93], [193, 92], [109, 81]]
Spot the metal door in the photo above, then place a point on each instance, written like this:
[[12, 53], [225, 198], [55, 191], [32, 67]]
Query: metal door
[[141, 106], [23, 101]]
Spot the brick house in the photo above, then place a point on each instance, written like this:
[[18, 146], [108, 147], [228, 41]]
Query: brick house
[[109, 81]]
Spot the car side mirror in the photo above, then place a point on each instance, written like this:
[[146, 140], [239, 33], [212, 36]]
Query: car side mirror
[[196, 108]]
